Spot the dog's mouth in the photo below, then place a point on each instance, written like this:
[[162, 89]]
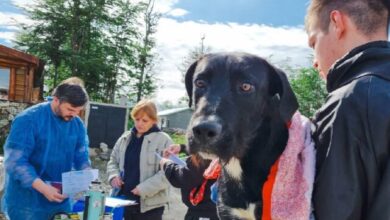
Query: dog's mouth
[[222, 148], [208, 156], [211, 138]]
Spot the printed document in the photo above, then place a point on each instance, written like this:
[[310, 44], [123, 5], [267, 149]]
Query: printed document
[[74, 182]]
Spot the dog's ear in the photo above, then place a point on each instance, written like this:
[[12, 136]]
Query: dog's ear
[[189, 81], [280, 89]]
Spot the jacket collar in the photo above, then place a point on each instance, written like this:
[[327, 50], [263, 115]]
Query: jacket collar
[[360, 61], [154, 128], [129, 133]]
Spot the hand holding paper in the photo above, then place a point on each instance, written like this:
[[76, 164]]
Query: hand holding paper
[[177, 160], [173, 158], [172, 149], [74, 182]]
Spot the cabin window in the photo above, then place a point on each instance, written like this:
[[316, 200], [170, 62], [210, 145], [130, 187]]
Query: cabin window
[[164, 123], [4, 82]]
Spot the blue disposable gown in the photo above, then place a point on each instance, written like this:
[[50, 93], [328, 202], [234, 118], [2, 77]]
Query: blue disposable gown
[[40, 145]]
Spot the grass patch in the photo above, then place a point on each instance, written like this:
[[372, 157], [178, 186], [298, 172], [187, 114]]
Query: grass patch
[[178, 138]]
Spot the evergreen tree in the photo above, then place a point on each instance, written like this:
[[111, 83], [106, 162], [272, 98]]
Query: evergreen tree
[[100, 41]]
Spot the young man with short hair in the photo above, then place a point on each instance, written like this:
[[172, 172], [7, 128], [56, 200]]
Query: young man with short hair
[[352, 128], [45, 141]]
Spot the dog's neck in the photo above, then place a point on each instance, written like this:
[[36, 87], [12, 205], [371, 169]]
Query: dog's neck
[[248, 174]]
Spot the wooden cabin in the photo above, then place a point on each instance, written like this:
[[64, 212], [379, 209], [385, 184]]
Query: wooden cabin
[[21, 77]]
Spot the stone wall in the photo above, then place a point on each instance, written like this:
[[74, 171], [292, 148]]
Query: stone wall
[[8, 111]]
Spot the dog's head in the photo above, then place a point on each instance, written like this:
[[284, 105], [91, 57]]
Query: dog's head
[[232, 93]]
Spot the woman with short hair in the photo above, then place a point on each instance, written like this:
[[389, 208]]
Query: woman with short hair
[[134, 169]]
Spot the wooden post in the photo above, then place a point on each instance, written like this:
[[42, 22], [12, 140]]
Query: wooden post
[[31, 84], [12, 84], [29, 81]]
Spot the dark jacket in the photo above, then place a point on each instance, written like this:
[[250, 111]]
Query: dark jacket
[[352, 136], [187, 178], [132, 159], [153, 185]]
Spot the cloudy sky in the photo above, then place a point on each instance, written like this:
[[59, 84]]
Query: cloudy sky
[[268, 28]]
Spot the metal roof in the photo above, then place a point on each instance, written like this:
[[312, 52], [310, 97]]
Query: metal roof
[[172, 111]]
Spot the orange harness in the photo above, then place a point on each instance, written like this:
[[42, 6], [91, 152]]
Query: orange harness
[[268, 186], [267, 191], [211, 173]]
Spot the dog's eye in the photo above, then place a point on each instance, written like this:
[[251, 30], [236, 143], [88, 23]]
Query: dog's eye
[[246, 87], [200, 83]]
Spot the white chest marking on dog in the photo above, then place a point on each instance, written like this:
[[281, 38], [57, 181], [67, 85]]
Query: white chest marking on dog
[[207, 156], [234, 169], [247, 214]]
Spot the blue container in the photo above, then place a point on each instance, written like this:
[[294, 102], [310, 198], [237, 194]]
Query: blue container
[[118, 212]]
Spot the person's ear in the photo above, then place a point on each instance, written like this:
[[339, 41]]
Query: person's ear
[[56, 101], [337, 23]]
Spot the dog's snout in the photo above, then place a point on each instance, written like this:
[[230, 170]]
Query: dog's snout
[[207, 131]]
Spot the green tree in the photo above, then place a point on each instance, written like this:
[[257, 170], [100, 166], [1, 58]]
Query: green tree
[[309, 89], [145, 76], [121, 42], [46, 37], [100, 41]]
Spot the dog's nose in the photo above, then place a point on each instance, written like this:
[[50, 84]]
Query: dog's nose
[[207, 131]]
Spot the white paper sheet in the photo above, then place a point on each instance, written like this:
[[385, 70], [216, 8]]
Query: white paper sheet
[[174, 158], [74, 182], [115, 202], [177, 160]]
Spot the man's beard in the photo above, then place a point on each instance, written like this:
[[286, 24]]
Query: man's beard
[[59, 114]]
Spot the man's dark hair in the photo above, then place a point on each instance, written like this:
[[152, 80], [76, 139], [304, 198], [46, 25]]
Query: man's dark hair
[[72, 93]]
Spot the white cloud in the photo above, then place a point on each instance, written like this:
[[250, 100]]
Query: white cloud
[[7, 36], [177, 12], [23, 3], [164, 6], [175, 39], [11, 20]]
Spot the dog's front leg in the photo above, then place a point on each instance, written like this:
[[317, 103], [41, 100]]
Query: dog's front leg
[[233, 201], [230, 213]]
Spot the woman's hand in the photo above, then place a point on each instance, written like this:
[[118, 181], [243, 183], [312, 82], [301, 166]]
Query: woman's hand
[[135, 191], [117, 182], [172, 149], [163, 161]]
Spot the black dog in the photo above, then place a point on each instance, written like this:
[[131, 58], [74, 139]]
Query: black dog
[[242, 106]]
